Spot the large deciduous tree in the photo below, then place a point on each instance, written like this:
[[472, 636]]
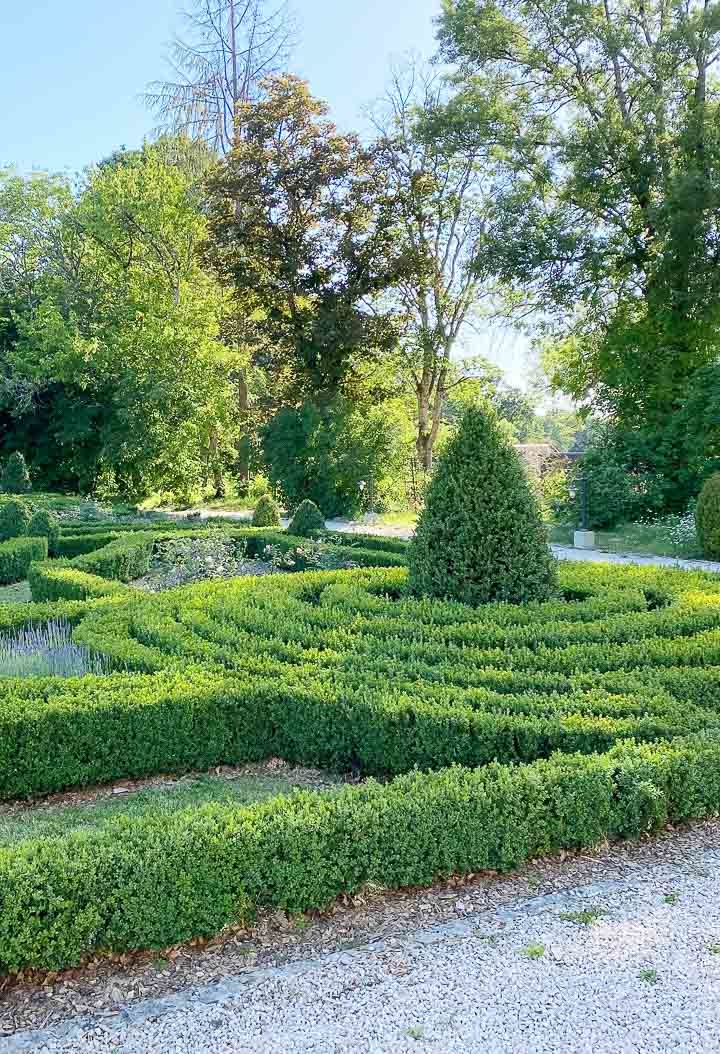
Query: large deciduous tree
[[445, 190], [626, 249], [116, 345], [228, 48], [300, 230]]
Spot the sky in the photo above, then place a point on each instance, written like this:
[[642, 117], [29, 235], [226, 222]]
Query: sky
[[73, 72]]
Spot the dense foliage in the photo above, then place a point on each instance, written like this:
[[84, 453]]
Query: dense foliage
[[17, 555], [45, 524], [15, 477], [591, 715], [114, 378], [707, 517], [15, 517], [613, 229], [266, 512], [307, 520], [480, 536]]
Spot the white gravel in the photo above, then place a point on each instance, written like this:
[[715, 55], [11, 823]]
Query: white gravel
[[644, 977]]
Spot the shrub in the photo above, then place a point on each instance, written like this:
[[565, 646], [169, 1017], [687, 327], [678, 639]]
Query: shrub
[[480, 536], [259, 486], [307, 520], [45, 524], [15, 477], [76, 544], [707, 517], [17, 555], [266, 513], [592, 715], [55, 580], [15, 518], [156, 880]]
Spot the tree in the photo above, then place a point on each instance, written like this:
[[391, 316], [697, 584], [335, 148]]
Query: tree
[[443, 194], [15, 477], [230, 46], [300, 231], [325, 450], [480, 537], [626, 210], [118, 345]]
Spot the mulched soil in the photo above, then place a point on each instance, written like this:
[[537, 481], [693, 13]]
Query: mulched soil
[[105, 984]]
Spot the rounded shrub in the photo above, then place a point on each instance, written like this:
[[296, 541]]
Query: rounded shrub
[[480, 537], [45, 524], [307, 521], [266, 513], [15, 477], [15, 519], [707, 517]]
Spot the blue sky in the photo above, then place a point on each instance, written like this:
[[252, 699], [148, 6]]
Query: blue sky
[[73, 72]]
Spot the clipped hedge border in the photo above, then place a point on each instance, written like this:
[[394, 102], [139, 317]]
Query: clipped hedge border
[[16, 556], [158, 880], [57, 580]]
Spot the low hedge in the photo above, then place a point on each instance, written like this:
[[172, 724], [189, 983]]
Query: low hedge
[[76, 544], [17, 554], [56, 734], [157, 880], [594, 714], [56, 580]]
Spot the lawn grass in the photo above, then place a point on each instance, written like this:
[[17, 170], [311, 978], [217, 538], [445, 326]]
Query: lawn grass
[[21, 822], [632, 538], [18, 593]]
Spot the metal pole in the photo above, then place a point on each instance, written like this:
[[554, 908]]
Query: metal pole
[[584, 503]]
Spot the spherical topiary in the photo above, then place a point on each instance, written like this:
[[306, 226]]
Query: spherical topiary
[[45, 524], [707, 517], [480, 536], [307, 521], [266, 513], [15, 477], [14, 519]]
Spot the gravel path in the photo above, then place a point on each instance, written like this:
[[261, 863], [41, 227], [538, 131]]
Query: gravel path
[[617, 964]]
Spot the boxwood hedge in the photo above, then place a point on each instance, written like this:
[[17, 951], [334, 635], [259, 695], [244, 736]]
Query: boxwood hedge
[[495, 733], [16, 556]]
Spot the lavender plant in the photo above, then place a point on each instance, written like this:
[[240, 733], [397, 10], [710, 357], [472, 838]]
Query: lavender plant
[[47, 650]]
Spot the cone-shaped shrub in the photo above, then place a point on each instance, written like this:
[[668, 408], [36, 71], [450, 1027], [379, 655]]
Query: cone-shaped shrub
[[45, 524], [266, 513], [14, 519], [15, 477], [480, 536], [307, 521], [707, 517]]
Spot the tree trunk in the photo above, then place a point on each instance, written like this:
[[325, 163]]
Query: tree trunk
[[424, 448]]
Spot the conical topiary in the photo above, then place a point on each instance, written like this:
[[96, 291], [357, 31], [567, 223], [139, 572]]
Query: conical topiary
[[707, 517], [15, 477], [307, 521], [15, 517], [266, 513], [45, 524], [480, 536]]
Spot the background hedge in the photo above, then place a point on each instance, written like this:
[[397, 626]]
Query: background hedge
[[17, 555]]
